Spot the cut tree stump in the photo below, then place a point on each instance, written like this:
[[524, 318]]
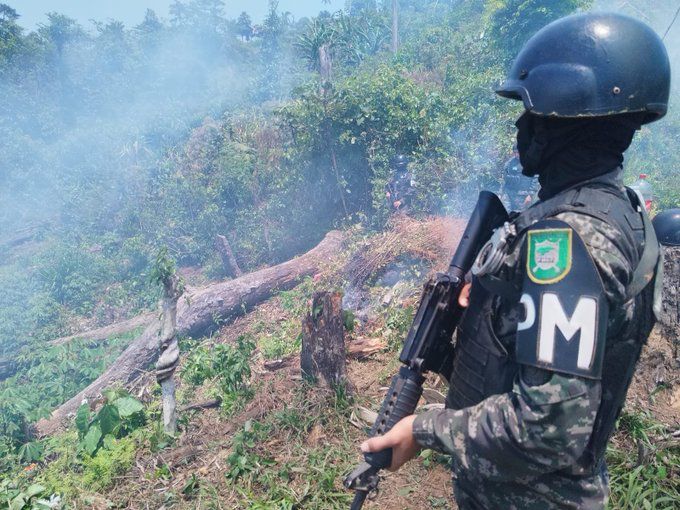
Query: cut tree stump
[[323, 356]]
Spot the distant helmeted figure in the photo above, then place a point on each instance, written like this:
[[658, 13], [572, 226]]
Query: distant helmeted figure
[[399, 189], [667, 227], [519, 190]]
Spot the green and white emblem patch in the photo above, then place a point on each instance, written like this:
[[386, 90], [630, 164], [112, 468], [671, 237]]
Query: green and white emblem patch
[[549, 255]]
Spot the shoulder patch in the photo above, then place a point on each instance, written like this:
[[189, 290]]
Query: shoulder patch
[[549, 254], [564, 325]]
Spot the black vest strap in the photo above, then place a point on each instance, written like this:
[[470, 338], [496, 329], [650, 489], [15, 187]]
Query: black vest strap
[[650, 259]]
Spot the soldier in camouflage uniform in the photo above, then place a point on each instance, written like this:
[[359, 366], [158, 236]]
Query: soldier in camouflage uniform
[[399, 189], [561, 299]]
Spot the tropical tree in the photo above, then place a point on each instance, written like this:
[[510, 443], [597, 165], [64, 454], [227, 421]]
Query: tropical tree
[[244, 25], [10, 33], [512, 22]]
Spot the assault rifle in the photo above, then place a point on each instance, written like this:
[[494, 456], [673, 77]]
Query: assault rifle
[[428, 346]]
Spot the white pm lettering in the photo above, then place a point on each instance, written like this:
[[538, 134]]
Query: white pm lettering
[[529, 313], [553, 317]]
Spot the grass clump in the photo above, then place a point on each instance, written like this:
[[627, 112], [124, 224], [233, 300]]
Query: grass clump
[[645, 477]]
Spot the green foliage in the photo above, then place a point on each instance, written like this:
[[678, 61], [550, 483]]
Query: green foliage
[[643, 477], [119, 416], [349, 135], [227, 367], [13, 422], [32, 497], [164, 266], [242, 459], [46, 378], [349, 39], [192, 486], [31, 452], [397, 323], [282, 343], [71, 474], [349, 320], [100, 470], [513, 22], [306, 475]]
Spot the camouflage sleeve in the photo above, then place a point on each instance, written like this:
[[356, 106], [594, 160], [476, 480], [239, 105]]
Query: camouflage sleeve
[[534, 429]]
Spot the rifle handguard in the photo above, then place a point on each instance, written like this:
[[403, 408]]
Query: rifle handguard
[[401, 401]]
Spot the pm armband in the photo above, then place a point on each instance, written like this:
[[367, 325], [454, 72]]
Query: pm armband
[[564, 325]]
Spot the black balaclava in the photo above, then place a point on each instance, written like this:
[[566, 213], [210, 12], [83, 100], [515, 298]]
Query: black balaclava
[[566, 151]]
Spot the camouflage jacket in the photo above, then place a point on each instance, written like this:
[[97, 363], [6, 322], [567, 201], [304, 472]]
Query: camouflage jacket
[[520, 449]]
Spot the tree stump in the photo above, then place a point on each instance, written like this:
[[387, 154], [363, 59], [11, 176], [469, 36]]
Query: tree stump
[[231, 267], [323, 341], [670, 305]]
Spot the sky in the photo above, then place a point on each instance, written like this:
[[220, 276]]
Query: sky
[[131, 12]]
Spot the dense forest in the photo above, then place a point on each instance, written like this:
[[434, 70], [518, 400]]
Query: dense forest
[[127, 148]]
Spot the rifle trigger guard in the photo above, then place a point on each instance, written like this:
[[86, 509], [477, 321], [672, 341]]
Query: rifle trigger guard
[[491, 255]]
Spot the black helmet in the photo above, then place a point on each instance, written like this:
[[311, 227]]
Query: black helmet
[[594, 64], [667, 227], [400, 162]]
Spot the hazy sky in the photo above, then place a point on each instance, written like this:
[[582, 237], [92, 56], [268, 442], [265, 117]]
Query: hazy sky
[[131, 12]]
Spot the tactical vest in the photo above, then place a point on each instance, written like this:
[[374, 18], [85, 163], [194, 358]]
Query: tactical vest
[[484, 363]]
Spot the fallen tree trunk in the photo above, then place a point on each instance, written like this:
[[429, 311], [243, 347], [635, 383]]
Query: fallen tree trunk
[[109, 331], [202, 312]]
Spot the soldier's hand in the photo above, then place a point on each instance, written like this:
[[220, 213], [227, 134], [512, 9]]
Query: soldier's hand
[[464, 296], [397, 204], [400, 439]]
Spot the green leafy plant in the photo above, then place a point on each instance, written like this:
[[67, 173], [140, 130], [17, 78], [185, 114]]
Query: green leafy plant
[[120, 415], [31, 497], [643, 477], [243, 460], [31, 452], [191, 486], [229, 365]]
